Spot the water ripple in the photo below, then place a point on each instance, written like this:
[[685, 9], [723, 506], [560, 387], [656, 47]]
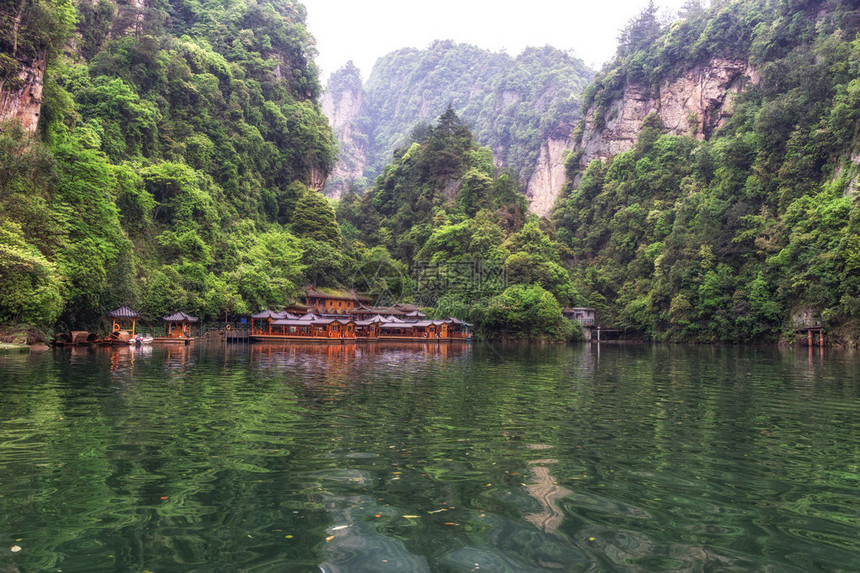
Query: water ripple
[[412, 458]]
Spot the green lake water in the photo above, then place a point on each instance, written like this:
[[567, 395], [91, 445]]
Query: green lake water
[[419, 458]]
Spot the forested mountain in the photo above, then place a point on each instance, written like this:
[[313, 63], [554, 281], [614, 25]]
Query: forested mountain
[[458, 238], [712, 192], [513, 105], [172, 167], [166, 154]]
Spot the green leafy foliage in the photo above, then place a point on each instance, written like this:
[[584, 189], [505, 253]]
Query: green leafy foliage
[[452, 220], [728, 239], [171, 153]]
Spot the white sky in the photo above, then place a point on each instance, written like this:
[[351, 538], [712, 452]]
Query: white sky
[[364, 30]]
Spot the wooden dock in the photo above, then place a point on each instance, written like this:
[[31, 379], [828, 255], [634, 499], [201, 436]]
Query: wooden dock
[[172, 340], [238, 336]]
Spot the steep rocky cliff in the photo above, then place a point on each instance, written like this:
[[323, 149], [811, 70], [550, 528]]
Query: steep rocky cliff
[[727, 209], [343, 104], [696, 103], [21, 94], [548, 177], [514, 106], [30, 33]]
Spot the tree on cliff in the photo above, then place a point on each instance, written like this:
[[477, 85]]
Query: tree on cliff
[[446, 147], [640, 31], [314, 218]]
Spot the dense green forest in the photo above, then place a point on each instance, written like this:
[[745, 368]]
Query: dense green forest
[[179, 146], [173, 166], [460, 230], [511, 104], [729, 239]]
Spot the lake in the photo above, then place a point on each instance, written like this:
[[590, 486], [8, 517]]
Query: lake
[[410, 458]]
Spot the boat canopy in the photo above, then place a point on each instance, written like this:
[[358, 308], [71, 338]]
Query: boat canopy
[[291, 322], [274, 314], [393, 325]]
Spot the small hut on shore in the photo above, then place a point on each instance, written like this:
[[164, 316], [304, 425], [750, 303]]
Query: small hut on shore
[[178, 326], [121, 315]]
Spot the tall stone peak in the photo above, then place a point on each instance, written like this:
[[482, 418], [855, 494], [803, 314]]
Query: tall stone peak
[[516, 106], [343, 104]]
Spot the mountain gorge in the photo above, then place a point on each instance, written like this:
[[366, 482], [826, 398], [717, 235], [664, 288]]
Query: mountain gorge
[[168, 155], [515, 106]]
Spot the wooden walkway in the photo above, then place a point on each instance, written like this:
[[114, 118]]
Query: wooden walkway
[[238, 336]]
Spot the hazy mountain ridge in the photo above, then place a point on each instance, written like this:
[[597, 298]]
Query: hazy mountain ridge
[[513, 105]]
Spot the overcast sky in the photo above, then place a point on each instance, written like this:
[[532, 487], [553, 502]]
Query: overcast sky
[[364, 30]]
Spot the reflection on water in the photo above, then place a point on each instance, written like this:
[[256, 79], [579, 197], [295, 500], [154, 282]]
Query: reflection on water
[[429, 457], [545, 489]]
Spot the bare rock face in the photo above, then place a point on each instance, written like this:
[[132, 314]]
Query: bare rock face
[[695, 104], [342, 108], [548, 176], [21, 98], [318, 179]]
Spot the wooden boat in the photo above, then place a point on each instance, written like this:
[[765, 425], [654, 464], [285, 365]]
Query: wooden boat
[[338, 329], [309, 328], [76, 338], [173, 340], [116, 338]]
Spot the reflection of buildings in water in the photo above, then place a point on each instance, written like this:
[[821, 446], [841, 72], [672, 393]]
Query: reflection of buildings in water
[[80, 354], [121, 361], [546, 491], [588, 361], [449, 349], [288, 353], [316, 363], [330, 370], [176, 356]]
